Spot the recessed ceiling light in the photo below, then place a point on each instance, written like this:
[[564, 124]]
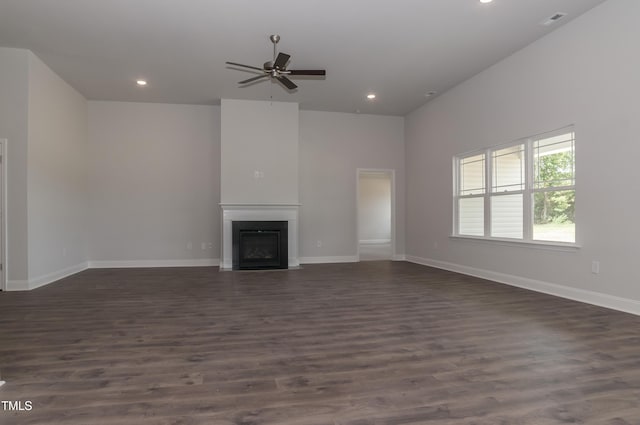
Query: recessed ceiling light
[[141, 82], [486, 1], [430, 93], [371, 96]]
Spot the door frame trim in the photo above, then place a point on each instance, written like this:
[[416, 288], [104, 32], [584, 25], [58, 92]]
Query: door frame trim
[[4, 274], [392, 174]]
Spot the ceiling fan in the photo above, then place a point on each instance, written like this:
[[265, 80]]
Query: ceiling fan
[[277, 68]]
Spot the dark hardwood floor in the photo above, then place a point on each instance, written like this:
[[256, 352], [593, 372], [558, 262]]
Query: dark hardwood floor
[[347, 344]]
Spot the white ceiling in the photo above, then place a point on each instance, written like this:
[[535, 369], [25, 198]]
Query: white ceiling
[[398, 49]]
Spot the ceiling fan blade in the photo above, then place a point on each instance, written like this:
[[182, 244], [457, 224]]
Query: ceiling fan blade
[[253, 79], [286, 82], [307, 72], [244, 66], [281, 60]]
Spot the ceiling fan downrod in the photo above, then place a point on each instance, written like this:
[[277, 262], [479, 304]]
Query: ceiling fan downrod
[[274, 39]]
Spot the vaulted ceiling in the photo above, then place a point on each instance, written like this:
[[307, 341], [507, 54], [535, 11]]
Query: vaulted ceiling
[[400, 50]]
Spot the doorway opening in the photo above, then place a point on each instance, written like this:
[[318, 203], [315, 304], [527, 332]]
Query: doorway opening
[[376, 214]]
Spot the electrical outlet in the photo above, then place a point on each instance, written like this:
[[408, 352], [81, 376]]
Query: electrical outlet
[[319, 244], [210, 245], [595, 267]]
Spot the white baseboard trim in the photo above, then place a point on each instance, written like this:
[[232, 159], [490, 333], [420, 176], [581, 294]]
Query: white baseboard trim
[[327, 260], [17, 285], [52, 277], [575, 294], [399, 257], [27, 285], [375, 241], [201, 262]]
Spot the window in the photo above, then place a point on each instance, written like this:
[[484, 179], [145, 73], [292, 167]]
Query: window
[[507, 189], [554, 191], [530, 195], [471, 202]]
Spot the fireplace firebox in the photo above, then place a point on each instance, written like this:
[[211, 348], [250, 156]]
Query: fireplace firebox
[[260, 245]]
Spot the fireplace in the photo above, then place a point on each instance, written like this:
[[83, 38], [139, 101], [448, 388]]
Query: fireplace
[[265, 213], [260, 245]]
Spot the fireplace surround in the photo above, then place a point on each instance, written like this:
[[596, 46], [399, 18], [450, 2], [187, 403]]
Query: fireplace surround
[[259, 212]]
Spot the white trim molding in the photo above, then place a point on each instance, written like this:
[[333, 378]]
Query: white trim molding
[[544, 245], [17, 285], [27, 285], [391, 173], [562, 291], [4, 231], [329, 260], [258, 212], [342, 259], [60, 274], [375, 242], [200, 262]]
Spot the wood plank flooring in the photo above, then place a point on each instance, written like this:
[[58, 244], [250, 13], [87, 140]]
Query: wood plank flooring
[[372, 343]]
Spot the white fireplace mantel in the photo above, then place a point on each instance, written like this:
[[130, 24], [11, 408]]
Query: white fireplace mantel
[[258, 212]]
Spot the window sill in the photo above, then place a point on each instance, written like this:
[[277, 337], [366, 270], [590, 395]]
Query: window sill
[[551, 246]]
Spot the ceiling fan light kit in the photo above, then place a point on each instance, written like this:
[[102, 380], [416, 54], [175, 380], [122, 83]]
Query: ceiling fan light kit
[[277, 68]]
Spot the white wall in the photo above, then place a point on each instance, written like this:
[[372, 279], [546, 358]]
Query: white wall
[[374, 208], [259, 136], [155, 183], [14, 81], [57, 176], [585, 73], [332, 147]]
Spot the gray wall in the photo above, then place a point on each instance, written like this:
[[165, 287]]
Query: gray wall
[[332, 147], [155, 183], [57, 176], [259, 137], [45, 122], [14, 105], [585, 73], [155, 180]]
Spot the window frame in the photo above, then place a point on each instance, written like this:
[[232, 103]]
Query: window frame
[[457, 169], [528, 191]]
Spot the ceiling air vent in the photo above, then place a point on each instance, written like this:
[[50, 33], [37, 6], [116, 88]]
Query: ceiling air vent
[[553, 19]]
